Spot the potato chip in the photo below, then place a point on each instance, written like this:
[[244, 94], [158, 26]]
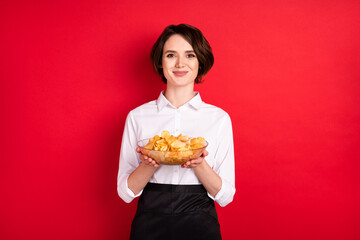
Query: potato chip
[[183, 138], [178, 144], [150, 144], [173, 150], [169, 142], [170, 139], [197, 145], [156, 138], [165, 133]]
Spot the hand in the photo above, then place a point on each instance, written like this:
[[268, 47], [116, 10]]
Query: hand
[[146, 159], [193, 163]]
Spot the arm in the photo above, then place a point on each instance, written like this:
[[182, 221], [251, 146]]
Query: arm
[[135, 170], [219, 179], [206, 175], [138, 179]]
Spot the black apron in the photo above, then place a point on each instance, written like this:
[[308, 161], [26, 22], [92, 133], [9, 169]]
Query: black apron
[[171, 212]]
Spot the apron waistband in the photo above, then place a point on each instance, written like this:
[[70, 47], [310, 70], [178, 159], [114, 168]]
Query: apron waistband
[[175, 188]]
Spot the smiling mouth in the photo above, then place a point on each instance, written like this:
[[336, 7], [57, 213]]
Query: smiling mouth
[[180, 73]]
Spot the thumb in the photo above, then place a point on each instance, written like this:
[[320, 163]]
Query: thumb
[[205, 153]]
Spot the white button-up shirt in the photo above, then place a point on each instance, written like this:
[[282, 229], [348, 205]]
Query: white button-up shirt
[[193, 119]]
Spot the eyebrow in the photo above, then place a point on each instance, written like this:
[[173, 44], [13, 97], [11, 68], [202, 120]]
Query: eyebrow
[[172, 51]]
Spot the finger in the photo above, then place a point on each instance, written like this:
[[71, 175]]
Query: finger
[[192, 165], [138, 150], [154, 163], [196, 161], [149, 162], [142, 157], [205, 153], [185, 165]]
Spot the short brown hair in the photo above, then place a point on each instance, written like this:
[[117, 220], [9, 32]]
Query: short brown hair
[[196, 39]]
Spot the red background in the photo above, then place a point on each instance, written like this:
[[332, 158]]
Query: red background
[[287, 72]]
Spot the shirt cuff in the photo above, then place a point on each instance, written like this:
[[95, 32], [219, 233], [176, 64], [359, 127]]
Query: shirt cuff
[[225, 195], [124, 191]]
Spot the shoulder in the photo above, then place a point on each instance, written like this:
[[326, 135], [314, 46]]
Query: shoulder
[[143, 109], [212, 109]]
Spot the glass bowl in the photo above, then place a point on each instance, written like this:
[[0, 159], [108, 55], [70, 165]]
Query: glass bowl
[[171, 157]]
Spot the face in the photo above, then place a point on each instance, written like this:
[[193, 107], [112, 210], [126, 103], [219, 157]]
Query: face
[[179, 62]]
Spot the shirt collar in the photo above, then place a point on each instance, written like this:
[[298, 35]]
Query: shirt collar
[[195, 102]]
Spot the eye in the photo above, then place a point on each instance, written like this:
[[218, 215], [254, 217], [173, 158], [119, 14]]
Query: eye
[[170, 55], [191, 55]]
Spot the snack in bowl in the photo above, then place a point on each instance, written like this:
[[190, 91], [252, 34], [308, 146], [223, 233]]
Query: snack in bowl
[[170, 150]]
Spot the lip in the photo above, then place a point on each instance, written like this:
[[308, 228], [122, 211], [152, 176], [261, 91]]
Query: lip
[[180, 73]]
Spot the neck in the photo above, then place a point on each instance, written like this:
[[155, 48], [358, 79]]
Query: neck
[[179, 96]]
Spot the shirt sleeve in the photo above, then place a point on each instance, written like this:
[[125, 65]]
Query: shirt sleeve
[[225, 163], [129, 160]]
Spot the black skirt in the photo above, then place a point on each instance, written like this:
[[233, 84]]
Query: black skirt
[[172, 212]]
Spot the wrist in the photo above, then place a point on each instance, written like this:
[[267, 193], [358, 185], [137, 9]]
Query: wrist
[[201, 166]]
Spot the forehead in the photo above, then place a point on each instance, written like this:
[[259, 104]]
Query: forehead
[[177, 43]]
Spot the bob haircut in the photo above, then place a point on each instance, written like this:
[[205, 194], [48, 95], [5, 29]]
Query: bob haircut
[[196, 39]]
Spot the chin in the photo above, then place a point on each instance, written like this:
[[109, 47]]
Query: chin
[[181, 83]]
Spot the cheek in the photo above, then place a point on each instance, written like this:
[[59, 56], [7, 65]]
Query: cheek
[[167, 64], [195, 66]]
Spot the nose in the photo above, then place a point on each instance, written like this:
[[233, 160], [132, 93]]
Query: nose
[[180, 62]]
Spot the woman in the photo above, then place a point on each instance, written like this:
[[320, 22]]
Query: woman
[[177, 202]]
